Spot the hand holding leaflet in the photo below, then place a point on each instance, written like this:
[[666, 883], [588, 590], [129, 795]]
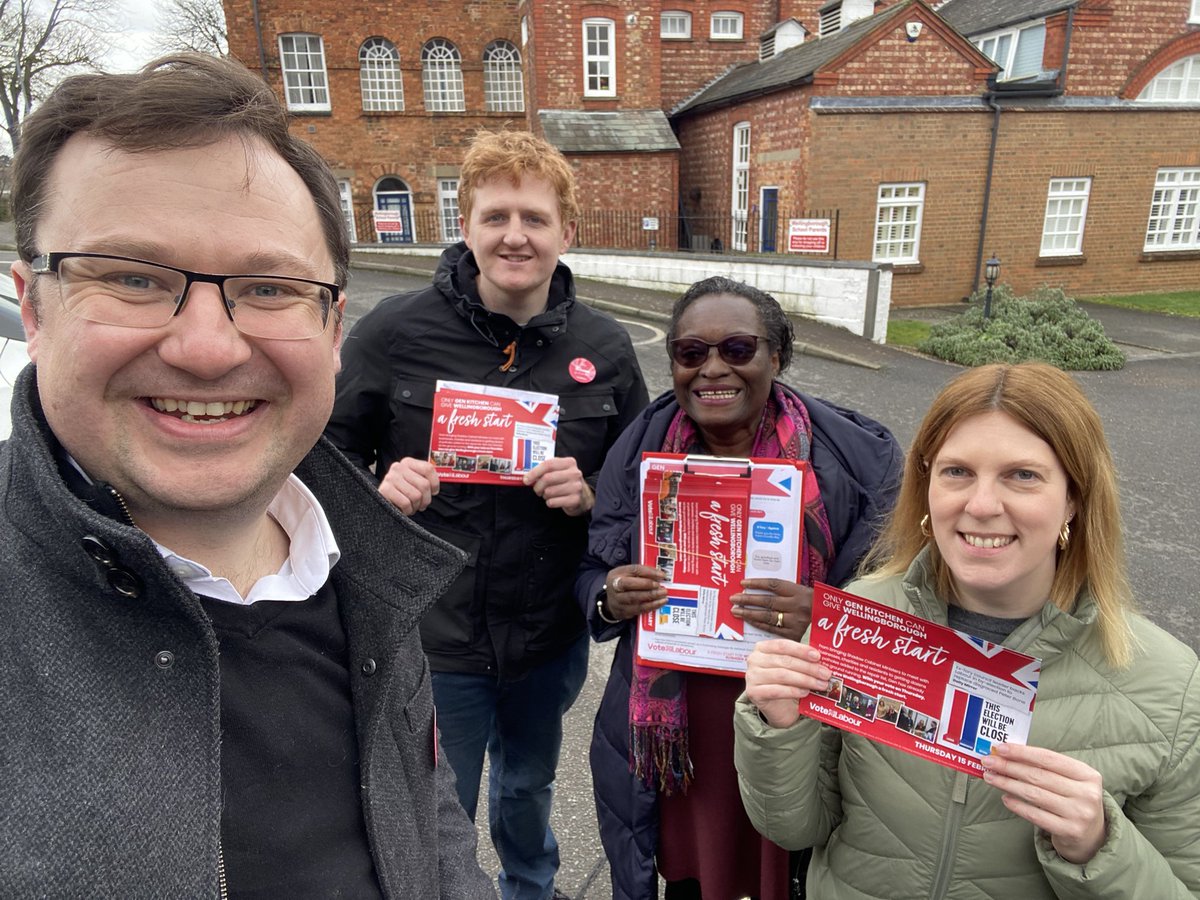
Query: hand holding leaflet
[[782, 608], [779, 674], [915, 685]]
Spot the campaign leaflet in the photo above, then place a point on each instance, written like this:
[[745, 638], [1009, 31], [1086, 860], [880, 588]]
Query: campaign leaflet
[[490, 435], [709, 523], [917, 686]]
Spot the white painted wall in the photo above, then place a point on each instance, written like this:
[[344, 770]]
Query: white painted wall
[[835, 292], [832, 292]]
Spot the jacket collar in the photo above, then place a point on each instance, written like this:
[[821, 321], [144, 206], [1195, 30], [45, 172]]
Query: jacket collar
[[455, 279], [1046, 634], [37, 500]]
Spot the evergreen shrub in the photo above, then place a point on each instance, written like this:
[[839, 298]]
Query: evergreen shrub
[[1047, 325]]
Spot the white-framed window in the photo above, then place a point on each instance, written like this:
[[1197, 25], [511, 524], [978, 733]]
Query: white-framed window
[[305, 84], [1177, 83], [725, 25], [441, 76], [1017, 51], [599, 58], [448, 209], [898, 223], [675, 25], [379, 76], [503, 86], [1066, 213], [741, 185], [346, 201], [1195, 16], [1175, 211]]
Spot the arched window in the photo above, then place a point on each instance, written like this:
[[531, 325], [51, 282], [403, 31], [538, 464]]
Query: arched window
[[379, 76], [441, 76], [1177, 83], [503, 88]]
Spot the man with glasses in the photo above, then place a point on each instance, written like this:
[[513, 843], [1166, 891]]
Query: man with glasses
[[507, 642], [210, 676]]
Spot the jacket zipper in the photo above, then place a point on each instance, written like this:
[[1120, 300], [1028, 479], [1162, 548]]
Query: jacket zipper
[[945, 867], [115, 494], [221, 883]]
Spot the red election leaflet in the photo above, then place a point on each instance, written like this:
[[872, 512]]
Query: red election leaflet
[[708, 523], [490, 435], [917, 686]]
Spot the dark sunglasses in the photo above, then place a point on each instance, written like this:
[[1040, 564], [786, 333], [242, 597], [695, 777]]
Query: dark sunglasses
[[736, 350]]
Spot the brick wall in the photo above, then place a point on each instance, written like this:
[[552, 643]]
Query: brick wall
[[1108, 46], [1033, 147], [778, 137], [557, 26], [415, 146], [627, 186], [688, 65], [894, 66]]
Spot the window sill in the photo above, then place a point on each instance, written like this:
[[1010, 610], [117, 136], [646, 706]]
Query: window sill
[[1165, 255], [906, 268], [1074, 259], [325, 113]]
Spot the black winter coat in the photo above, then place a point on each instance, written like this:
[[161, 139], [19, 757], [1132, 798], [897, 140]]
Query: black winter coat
[[512, 608]]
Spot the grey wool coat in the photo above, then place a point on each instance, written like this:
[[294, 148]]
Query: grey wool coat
[[110, 757]]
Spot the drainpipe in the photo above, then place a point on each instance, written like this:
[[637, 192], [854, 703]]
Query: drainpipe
[[262, 53], [1062, 71], [990, 99], [1060, 83]]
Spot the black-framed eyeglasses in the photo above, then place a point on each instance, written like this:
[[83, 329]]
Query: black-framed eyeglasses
[[134, 293], [736, 350]]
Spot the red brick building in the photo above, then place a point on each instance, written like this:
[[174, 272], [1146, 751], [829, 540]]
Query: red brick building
[[1076, 160], [1060, 135]]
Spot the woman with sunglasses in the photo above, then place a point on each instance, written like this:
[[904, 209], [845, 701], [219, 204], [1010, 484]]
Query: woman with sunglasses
[[662, 761]]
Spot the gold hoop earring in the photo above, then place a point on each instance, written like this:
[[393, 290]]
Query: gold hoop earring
[[925, 526], [1064, 536]]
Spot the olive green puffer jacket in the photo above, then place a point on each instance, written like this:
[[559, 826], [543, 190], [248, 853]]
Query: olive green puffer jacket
[[886, 825]]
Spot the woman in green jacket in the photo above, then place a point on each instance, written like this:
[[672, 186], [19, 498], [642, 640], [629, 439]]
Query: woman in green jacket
[[1007, 528]]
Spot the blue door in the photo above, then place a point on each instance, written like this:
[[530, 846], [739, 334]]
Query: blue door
[[770, 220], [393, 195]]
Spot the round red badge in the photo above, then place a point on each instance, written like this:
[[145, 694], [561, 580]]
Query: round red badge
[[582, 370]]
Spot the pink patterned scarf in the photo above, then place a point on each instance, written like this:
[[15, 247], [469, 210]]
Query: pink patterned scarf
[[658, 732]]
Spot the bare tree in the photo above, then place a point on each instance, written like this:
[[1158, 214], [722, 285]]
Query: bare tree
[[193, 25], [41, 42]]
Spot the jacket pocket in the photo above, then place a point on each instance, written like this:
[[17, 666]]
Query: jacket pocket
[[584, 422], [412, 412], [451, 623]]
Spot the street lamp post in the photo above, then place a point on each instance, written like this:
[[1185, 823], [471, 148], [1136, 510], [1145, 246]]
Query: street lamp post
[[991, 271]]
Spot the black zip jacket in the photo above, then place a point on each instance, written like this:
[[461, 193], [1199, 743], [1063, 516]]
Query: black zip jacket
[[513, 607]]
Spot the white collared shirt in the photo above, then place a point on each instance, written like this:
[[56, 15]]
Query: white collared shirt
[[312, 554]]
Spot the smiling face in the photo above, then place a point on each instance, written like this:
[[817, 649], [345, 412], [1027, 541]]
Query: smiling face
[[726, 402], [192, 416], [517, 236], [998, 497]]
